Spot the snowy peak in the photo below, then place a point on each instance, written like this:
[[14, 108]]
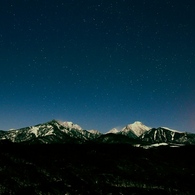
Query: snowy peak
[[96, 132], [138, 128], [132, 130], [70, 125], [114, 130]]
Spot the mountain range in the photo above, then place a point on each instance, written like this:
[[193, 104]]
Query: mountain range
[[136, 134], [62, 158]]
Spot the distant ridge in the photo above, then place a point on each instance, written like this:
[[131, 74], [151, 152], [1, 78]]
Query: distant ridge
[[136, 134]]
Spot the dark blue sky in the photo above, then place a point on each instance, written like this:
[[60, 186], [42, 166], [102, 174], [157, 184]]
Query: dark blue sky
[[100, 64]]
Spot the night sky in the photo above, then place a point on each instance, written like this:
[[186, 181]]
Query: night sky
[[98, 63]]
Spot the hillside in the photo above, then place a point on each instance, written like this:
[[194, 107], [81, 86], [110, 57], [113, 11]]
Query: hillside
[[95, 169]]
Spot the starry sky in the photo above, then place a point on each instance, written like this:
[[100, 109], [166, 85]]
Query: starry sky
[[100, 64]]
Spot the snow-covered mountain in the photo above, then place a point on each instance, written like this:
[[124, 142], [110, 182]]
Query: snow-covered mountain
[[138, 128], [67, 132], [51, 132], [114, 130], [133, 130], [166, 135]]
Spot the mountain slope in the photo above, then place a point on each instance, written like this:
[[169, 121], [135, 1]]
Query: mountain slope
[[166, 135], [50, 132], [113, 138]]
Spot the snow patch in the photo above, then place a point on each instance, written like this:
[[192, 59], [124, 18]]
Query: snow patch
[[172, 135], [49, 133], [34, 130], [94, 131], [155, 135], [70, 125], [11, 129], [154, 145], [171, 130]]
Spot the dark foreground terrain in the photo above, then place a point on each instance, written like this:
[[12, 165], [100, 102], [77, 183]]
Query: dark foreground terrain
[[95, 169]]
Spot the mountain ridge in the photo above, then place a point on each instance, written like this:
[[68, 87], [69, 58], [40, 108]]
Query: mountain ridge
[[136, 134]]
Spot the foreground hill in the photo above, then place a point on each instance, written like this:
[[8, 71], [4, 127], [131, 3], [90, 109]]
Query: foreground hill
[[95, 169]]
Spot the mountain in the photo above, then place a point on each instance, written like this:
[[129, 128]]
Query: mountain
[[136, 134], [109, 164], [51, 132], [166, 135], [133, 130], [138, 128], [94, 134], [114, 130]]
